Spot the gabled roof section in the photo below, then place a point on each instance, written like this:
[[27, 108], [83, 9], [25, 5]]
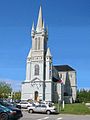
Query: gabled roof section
[[64, 68]]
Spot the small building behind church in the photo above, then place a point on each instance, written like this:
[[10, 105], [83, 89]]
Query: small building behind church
[[45, 81]]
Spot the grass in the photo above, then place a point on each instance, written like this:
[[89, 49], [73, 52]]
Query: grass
[[78, 109]]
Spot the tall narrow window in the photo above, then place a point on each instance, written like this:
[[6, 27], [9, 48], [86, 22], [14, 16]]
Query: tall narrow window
[[39, 43], [35, 43], [36, 69]]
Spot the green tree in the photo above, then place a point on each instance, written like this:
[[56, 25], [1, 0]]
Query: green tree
[[17, 95], [83, 95], [5, 89]]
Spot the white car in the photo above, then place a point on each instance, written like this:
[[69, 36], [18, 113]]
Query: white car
[[42, 108], [25, 104]]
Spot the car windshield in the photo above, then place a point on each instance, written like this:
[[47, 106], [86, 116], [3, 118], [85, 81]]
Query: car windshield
[[6, 104]]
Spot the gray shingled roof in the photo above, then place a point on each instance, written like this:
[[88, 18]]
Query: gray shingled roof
[[64, 68]]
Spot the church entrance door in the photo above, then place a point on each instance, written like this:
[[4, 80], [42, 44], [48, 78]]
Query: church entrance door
[[36, 95]]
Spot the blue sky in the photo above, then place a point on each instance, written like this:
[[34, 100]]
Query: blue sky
[[68, 23]]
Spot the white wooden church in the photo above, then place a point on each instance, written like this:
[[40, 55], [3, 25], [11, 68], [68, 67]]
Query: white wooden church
[[44, 81]]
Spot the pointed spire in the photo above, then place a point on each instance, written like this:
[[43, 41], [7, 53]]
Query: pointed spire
[[33, 26], [48, 53], [40, 20], [29, 55], [43, 29], [43, 25], [32, 31]]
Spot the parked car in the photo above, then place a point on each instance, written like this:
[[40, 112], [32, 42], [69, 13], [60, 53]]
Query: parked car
[[18, 112], [6, 114], [15, 105], [42, 108], [44, 102], [3, 114], [25, 104], [10, 103]]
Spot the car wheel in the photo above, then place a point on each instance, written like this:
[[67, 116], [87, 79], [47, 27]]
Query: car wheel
[[48, 112], [3, 116], [30, 111]]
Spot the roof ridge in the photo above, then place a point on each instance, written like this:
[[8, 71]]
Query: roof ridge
[[64, 68]]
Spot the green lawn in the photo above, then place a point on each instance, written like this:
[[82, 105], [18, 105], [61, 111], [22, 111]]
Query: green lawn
[[79, 109]]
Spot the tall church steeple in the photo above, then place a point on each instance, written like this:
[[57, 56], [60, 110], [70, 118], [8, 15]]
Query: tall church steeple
[[39, 34], [40, 21], [39, 64]]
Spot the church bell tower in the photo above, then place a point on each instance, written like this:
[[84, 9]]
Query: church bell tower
[[36, 56], [38, 82]]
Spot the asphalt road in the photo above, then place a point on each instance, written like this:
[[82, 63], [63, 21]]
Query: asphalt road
[[34, 116]]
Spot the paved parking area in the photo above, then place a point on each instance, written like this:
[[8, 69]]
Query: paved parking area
[[34, 116]]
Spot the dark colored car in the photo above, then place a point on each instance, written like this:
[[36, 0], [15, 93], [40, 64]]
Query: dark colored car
[[15, 105], [12, 108], [3, 114], [6, 113]]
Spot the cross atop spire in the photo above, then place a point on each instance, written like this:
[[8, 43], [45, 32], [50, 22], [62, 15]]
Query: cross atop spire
[[40, 21]]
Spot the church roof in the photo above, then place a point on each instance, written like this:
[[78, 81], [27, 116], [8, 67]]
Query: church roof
[[64, 68]]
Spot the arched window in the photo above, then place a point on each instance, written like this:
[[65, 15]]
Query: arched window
[[36, 69]]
